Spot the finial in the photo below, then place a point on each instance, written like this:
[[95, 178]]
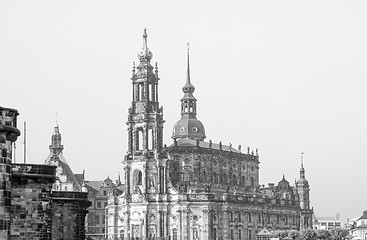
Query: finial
[[145, 36], [257, 152], [248, 150], [156, 69], [283, 177], [302, 159], [220, 145]]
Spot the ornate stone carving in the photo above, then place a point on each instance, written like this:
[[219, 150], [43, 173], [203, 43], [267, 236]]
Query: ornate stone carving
[[137, 195]]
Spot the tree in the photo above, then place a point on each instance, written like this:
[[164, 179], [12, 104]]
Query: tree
[[323, 234], [293, 234], [339, 234], [308, 234]]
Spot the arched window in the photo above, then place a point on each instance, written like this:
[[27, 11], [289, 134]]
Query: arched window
[[215, 178], [232, 219], [140, 140], [141, 90], [137, 177], [150, 139], [252, 181], [186, 109]]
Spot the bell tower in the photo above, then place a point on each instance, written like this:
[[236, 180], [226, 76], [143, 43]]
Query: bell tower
[[303, 189], [145, 118], [145, 126]]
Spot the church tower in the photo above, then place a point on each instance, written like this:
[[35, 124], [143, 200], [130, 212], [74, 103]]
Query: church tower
[[56, 147], [66, 180], [145, 126], [188, 126], [303, 189]]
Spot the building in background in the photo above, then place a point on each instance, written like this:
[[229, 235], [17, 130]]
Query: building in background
[[66, 180], [359, 228], [98, 194], [327, 223], [193, 189]]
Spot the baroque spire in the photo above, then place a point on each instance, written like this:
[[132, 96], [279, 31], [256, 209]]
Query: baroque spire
[[188, 126]]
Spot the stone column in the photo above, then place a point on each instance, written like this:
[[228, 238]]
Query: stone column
[[8, 134]]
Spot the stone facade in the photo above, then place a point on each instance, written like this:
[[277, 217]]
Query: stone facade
[[192, 189], [31, 210], [69, 211]]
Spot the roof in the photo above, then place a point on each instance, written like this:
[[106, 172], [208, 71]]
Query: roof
[[264, 232], [364, 215], [96, 185], [79, 178], [65, 166], [184, 142]]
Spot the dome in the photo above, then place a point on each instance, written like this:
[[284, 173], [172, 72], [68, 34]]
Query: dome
[[302, 181], [189, 128], [145, 53]]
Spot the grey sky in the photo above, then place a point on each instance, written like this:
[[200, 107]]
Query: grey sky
[[282, 76]]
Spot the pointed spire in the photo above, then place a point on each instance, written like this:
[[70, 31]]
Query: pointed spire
[[188, 87], [145, 37], [188, 63], [188, 126], [302, 170]]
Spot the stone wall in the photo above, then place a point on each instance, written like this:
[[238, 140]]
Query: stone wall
[[69, 210], [31, 211], [8, 134]]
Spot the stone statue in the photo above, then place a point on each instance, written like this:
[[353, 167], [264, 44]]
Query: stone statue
[[151, 180], [196, 234], [152, 232]]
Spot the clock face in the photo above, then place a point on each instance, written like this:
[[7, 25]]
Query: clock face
[[195, 129], [182, 129]]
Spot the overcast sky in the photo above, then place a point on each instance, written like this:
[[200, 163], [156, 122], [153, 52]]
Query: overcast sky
[[282, 76]]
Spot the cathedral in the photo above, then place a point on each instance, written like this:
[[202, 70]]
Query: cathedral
[[193, 189]]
